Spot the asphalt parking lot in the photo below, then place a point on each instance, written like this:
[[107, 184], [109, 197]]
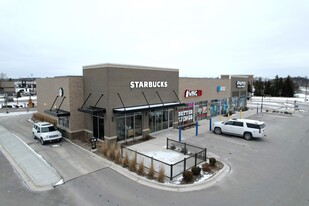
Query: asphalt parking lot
[[265, 171]]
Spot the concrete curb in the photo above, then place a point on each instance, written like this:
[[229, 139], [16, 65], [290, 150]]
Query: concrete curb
[[23, 174], [30, 178], [163, 186]]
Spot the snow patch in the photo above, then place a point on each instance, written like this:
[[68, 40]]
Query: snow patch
[[60, 182]]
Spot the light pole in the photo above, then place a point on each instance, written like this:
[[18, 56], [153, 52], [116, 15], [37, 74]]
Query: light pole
[[6, 102], [262, 101]]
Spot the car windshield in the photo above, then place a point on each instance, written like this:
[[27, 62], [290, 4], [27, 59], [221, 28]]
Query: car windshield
[[48, 129]]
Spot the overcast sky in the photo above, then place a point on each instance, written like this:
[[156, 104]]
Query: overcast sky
[[206, 38]]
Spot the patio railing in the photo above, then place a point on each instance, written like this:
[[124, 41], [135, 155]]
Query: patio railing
[[196, 155]]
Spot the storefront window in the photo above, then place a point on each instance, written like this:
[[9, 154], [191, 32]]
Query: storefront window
[[219, 107], [201, 110], [185, 114], [129, 125], [234, 103], [242, 101], [138, 124], [160, 119], [64, 121], [224, 106], [214, 107], [165, 119], [170, 117], [152, 121]]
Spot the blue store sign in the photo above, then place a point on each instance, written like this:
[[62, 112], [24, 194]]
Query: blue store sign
[[218, 88]]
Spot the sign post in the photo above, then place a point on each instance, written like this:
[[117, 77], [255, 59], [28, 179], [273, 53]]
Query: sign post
[[179, 131], [196, 126]]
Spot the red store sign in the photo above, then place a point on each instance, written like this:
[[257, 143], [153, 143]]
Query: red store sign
[[193, 93]]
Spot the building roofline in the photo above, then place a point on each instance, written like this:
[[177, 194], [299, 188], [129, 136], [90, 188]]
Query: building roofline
[[227, 76], [125, 66]]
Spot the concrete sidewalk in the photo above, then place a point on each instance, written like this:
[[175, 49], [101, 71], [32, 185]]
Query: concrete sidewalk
[[34, 170]]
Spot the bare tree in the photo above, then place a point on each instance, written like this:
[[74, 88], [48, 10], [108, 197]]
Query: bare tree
[[3, 76]]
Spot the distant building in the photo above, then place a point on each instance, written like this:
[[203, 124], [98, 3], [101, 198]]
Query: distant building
[[7, 86], [26, 85]]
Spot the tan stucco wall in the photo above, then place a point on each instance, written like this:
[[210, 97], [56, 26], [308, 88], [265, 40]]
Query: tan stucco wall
[[113, 79], [7, 86], [208, 87], [47, 90]]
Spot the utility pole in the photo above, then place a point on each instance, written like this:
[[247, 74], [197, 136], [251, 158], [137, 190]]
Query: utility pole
[[306, 89]]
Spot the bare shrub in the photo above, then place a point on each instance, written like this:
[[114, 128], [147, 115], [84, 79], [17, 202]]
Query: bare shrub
[[118, 157], [105, 148], [206, 167], [187, 176], [196, 170], [161, 176], [151, 172], [125, 162], [112, 151], [141, 168], [172, 147], [132, 163], [43, 118], [212, 161]]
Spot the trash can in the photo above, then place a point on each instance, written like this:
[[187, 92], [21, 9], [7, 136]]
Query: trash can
[[93, 141]]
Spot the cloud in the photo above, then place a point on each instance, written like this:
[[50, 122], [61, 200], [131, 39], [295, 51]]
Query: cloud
[[201, 38]]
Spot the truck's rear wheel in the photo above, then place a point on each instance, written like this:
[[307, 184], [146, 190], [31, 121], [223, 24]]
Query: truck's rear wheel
[[248, 136]]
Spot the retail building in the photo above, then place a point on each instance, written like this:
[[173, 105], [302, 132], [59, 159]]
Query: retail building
[[120, 102], [208, 97]]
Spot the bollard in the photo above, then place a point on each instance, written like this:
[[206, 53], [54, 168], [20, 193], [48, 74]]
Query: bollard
[[93, 143], [210, 122], [179, 132], [196, 128]]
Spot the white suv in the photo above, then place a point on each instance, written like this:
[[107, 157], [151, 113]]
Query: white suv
[[45, 132], [246, 128]]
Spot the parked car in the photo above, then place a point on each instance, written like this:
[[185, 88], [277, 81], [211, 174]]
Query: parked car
[[246, 128], [45, 132]]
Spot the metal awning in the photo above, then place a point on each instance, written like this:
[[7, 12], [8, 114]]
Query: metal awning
[[92, 110], [147, 107], [58, 112]]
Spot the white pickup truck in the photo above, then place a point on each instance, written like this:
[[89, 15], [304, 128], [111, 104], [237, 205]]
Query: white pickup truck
[[45, 132]]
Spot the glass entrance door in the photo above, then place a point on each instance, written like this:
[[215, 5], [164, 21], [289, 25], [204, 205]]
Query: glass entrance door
[[170, 117], [98, 127], [160, 119]]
